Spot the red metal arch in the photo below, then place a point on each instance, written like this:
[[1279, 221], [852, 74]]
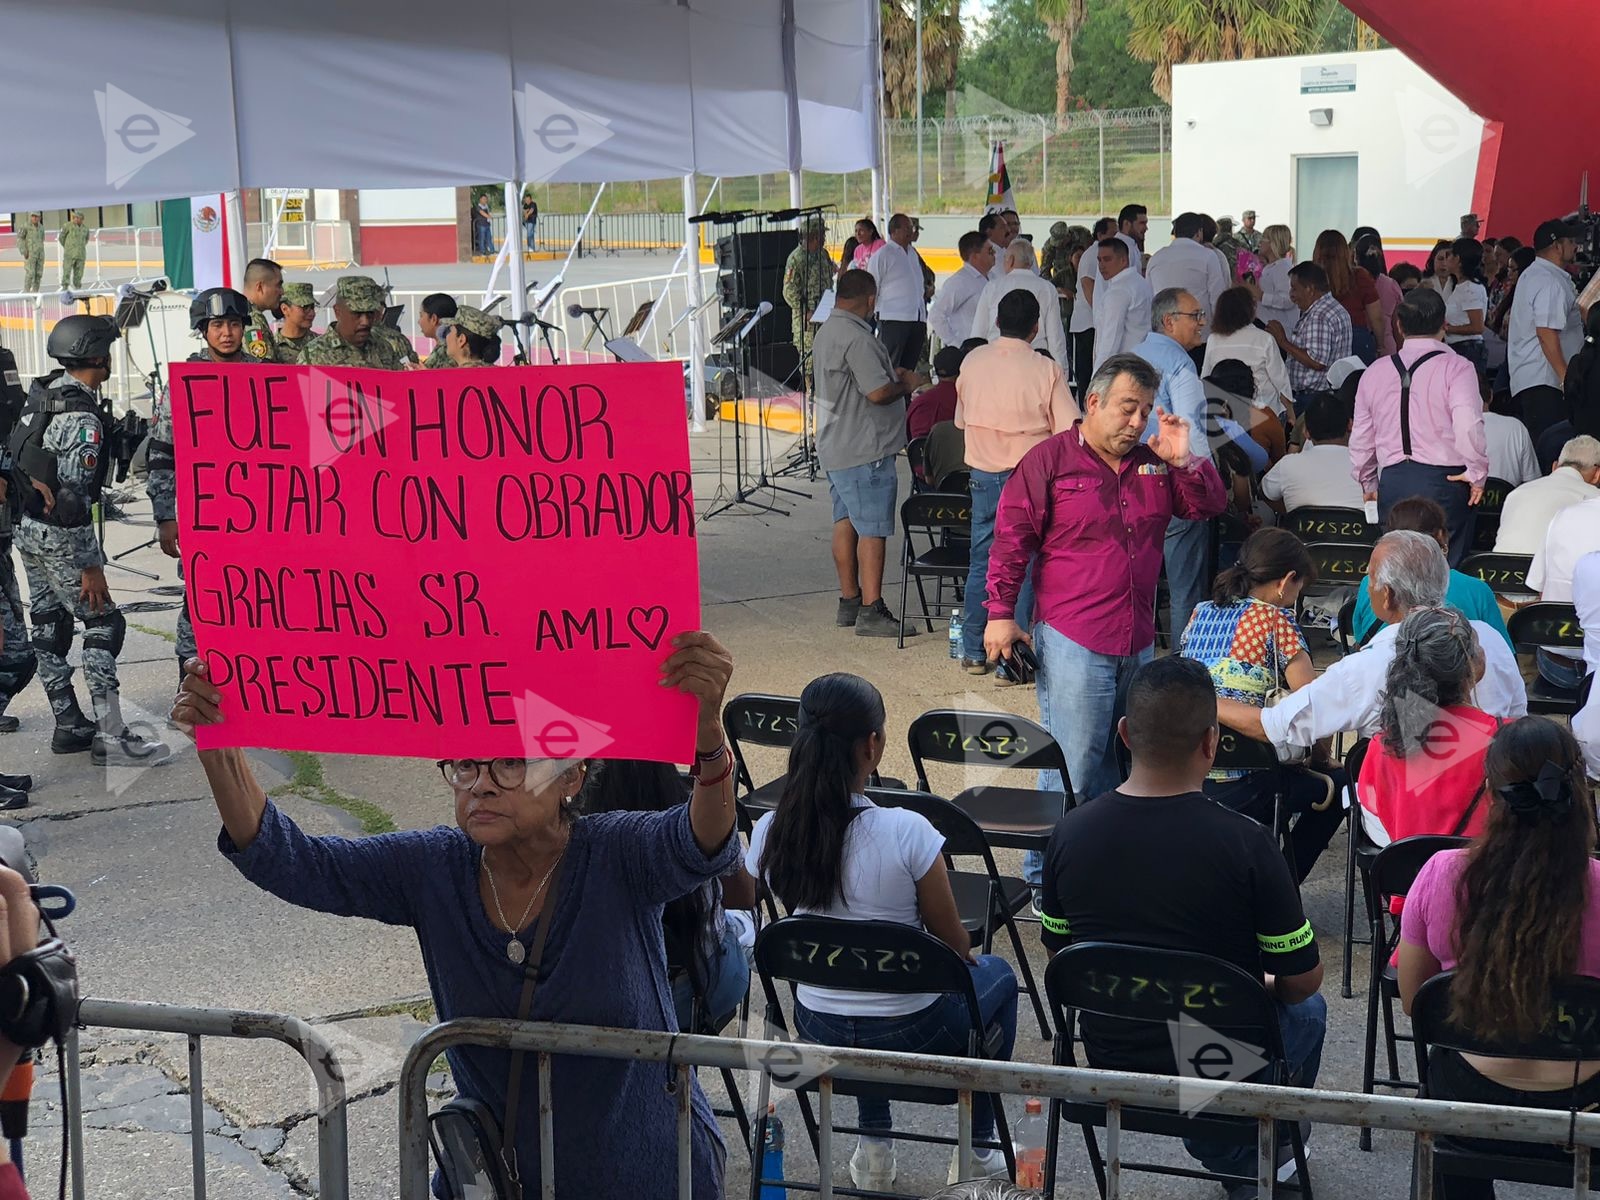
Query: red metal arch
[[1526, 67]]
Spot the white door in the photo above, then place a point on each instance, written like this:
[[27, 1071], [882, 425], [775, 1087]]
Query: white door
[[1324, 197]]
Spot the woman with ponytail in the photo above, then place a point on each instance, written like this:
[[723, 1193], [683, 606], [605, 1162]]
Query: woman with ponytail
[[828, 851], [1512, 914], [1246, 636]]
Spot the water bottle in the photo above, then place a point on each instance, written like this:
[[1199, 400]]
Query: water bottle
[[772, 1156], [1028, 1139], [955, 633]]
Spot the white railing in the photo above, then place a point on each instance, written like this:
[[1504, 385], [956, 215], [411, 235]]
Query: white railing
[[117, 253]]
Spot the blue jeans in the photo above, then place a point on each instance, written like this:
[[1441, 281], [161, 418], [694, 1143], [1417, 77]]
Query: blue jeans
[[725, 991], [1304, 1027], [986, 487], [941, 1028], [1080, 696], [1188, 546]]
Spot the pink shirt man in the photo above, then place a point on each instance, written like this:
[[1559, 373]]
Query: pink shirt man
[[1446, 416], [1009, 399]]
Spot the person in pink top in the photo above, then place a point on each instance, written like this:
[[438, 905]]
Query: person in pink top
[[1368, 251], [1511, 915], [1418, 427], [868, 242], [1008, 400], [1089, 509]]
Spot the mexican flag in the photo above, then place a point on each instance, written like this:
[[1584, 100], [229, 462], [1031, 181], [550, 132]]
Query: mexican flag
[[1000, 194], [194, 239]]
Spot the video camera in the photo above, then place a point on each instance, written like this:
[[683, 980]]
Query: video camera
[[1589, 240], [123, 436]]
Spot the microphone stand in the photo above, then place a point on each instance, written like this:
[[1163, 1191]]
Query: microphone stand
[[804, 456]]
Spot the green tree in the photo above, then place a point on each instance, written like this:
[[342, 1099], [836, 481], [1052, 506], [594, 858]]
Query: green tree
[[1062, 18], [1104, 74], [1014, 62], [1167, 32], [942, 39]]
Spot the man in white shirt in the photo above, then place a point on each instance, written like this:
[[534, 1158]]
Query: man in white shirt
[[1528, 511], [1081, 331], [1586, 723], [1574, 534], [997, 228], [1022, 274], [1132, 223], [902, 311], [1189, 264], [1122, 302], [1510, 448], [1407, 571], [950, 317], [1319, 476], [1545, 329]]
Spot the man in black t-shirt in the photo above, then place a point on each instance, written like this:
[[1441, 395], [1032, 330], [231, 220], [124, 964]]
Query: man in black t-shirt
[[1156, 863]]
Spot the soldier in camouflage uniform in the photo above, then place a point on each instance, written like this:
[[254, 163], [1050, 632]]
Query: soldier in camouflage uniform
[[59, 448], [1249, 235], [30, 244], [219, 315], [806, 276], [1228, 242], [435, 311], [471, 337], [299, 311], [399, 344], [263, 288], [357, 307], [74, 242]]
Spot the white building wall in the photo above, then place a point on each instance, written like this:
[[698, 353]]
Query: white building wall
[[408, 206], [1237, 128]]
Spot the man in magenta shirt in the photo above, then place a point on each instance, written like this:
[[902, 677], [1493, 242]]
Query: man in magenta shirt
[[1093, 505], [1420, 433]]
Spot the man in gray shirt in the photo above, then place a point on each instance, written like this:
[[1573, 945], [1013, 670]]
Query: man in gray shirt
[[861, 427], [1545, 330]]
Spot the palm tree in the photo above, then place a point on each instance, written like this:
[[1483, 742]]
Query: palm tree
[[942, 39], [1062, 18], [1167, 32]]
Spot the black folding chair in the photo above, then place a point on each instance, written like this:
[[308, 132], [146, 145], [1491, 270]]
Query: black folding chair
[[1158, 988], [1347, 625], [867, 956], [985, 899], [917, 457], [1550, 626], [1486, 520], [1393, 872], [943, 521], [1316, 523], [1017, 818], [1339, 565], [1571, 1035], [755, 719], [1359, 853], [1236, 752], [1505, 574]]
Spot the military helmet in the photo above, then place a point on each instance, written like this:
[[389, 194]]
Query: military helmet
[[217, 302], [80, 336]]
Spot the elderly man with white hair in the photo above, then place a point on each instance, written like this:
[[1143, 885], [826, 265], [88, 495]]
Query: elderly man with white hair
[[1407, 570], [1022, 274], [1529, 509]]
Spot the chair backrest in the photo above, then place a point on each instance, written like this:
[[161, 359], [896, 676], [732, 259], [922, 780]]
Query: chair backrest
[[959, 480], [1236, 752], [930, 512], [1495, 492], [1546, 624], [1001, 741], [1157, 986], [917, 457], [1340, 562], [962, 835], [1316, 523], [1502, 572], [1572, 1031], [755, 719], [1398, 864]]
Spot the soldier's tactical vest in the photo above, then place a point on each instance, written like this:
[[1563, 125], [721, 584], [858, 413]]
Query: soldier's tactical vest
[[31, 460]]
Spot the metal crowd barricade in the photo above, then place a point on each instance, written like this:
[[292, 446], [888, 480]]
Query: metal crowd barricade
[[1427, 1119], [333, 1155]]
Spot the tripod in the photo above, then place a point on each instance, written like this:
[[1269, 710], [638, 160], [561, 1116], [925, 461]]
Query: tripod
[[804, 455]]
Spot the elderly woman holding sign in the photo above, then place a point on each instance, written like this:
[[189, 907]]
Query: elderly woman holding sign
[[524, 910]]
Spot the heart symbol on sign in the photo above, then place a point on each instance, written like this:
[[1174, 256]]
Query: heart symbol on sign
[[648, 624]]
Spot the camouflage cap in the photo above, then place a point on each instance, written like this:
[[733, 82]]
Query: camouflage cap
[[474, 320], [300, 295], [1249, 214], [813, 224], [1058, 229], [1224, 222], [359, 293]]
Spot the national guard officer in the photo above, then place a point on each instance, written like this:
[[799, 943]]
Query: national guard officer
[[299, 311], [30, 245], [61, 460], [263, 288], [349, 342], [74, 243], [17, 661], [807, 274], [471, 337], [435, 310]]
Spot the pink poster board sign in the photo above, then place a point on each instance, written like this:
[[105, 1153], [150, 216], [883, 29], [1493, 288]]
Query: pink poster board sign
[[463, 563]]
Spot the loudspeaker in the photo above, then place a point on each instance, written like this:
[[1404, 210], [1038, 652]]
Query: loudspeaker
[[766, 250]]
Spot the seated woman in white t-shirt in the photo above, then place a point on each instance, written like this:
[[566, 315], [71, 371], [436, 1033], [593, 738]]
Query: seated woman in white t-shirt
[[1467, 303], [829, 851]]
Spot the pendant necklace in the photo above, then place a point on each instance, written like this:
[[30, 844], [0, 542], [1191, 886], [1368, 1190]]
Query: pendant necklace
[[516, 951]]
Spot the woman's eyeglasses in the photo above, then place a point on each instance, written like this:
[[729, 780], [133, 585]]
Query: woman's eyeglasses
[[505, 773]]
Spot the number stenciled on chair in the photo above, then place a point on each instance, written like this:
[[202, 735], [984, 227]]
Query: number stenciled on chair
[[770, 722], [884, 962], [949, 513], [1190, 995], [987, 742], [1569, 1025], [1337, 528], [1501, 576]]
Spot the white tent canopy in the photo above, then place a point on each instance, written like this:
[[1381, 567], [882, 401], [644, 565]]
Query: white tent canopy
[[108, 101]]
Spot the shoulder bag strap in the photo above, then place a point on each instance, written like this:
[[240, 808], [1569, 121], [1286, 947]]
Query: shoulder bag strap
[[1477, 796], [530, 981]]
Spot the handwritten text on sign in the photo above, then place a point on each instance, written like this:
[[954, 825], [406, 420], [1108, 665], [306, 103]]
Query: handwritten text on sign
[[487, 562]]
